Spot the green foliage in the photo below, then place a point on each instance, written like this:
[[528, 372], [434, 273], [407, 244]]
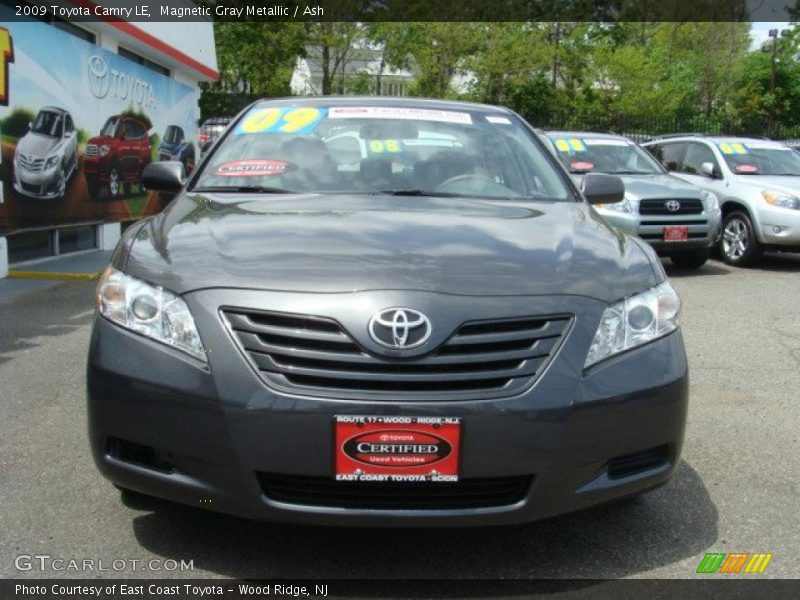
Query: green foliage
[[155, 142], [16, 123], [139, 115]]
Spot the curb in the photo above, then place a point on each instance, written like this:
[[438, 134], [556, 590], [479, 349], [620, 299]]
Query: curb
[[52, 275]]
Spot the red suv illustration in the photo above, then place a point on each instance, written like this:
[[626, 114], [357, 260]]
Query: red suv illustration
[[116, 158]]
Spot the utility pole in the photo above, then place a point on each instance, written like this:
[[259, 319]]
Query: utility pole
[[773, 34]]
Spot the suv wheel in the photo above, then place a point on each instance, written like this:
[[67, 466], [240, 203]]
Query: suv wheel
[[738, 244], [114, 183], [62, 184], [690, 260]]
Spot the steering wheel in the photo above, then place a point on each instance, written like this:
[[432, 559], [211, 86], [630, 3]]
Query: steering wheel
[[473, 183]]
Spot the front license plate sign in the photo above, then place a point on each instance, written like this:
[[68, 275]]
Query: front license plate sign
[[397, 449], [676, 234]]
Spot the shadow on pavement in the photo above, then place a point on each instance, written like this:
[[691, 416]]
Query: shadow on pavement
[[712, 267], [45, 313], [611, 541]]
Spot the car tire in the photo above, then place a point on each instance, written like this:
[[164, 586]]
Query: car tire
[[114, 183], [738, 244], [690, 260], [93, 187]]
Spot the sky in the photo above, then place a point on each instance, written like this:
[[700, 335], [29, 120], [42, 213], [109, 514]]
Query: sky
[[759, 31]]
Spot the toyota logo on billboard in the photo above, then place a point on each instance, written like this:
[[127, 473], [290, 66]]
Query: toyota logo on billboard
[[399, 328], [99, 81]]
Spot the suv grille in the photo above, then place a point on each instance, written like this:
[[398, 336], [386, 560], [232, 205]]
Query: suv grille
[[324, 491], [90, 150], [315, 356], [659, 207], [30, 163]]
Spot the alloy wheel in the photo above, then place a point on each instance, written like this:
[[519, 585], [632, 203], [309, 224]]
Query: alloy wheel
[[735, 238], [113, 183]]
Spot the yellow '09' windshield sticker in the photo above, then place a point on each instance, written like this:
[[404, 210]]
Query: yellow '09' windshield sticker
[[733, 148], [298, 121], [570, 145]]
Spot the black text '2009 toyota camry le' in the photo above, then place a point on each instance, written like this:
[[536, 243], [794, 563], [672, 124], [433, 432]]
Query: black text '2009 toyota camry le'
[[368, 311]]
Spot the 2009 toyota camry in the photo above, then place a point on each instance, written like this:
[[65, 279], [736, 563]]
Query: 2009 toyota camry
[[372, 311]]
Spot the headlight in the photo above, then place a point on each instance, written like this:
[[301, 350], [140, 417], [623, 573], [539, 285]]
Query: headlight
[[104, 150], [635, 321], [624, 206], [711, 200], [149, 310], [51, 162], [782, 200]]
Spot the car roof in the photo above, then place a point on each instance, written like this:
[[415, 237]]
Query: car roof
[[567, 133], [717, 139], [54, 109], [427, 103]]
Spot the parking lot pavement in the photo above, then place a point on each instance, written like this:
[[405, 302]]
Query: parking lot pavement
[[736, 489]]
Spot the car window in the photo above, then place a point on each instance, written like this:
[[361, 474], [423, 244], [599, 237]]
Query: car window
[[751, 157], [68, 124], [581, 154], [383, 149], [133, 130], [697, 154], [48, 123], [110, 128], [671, 155]]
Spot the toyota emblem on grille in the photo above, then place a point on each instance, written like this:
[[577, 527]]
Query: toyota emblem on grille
[[399, 328], [673, 206]]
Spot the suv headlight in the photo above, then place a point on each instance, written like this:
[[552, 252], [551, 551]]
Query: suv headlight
[[623, 206], [711, 201], [781, 199], [634, 321], [150, 310], [52, 161], [104, 150]]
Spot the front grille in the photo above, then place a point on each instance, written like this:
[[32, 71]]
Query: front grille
[[315, 356], [30, 163], [327, 492], [659, 207], [91, 150]]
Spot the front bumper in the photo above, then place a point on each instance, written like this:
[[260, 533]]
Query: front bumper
[[219, 427], [779, 226], [37, 184], [704, 229]]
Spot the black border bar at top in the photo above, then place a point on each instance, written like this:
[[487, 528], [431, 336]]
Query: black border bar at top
[[412, 10]]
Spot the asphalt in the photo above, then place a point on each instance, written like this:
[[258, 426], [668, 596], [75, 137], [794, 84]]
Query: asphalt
[[736, 489]]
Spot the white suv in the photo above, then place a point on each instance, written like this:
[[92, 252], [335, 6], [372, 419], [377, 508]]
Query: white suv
[[757, 182]]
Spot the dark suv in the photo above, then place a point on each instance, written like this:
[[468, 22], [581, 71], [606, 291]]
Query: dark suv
[[175, 146], [116, 158]]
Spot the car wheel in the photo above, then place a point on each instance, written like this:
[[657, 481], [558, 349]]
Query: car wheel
[[114, 183], [62, 184], [739, 246], [93, 188], [690, 260]]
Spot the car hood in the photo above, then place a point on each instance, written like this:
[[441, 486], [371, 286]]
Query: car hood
[[788, 185], [340, 243], [657, 186], [37, 145]]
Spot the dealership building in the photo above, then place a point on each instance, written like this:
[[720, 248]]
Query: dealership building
[[84, 107]]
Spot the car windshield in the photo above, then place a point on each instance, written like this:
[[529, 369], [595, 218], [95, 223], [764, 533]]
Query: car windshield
[[382, 149], [174, 135], [110, 127], [47, 123], [754, 158], [605, 155]]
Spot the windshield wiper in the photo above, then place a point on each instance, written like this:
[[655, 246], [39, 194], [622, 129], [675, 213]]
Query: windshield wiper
[[243, 189], [417, 192]]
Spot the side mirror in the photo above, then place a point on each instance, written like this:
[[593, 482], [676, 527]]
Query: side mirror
[[164, 176], [708, 169], [599, 188]]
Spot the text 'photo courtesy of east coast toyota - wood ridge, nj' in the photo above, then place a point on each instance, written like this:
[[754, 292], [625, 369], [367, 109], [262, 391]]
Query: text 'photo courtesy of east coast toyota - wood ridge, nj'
[[399, 299]]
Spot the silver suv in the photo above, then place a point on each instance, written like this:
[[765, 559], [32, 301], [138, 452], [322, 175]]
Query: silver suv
[[757, 181], [678, 219]]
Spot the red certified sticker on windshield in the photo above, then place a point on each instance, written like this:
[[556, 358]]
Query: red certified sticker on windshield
[[253, 168], [395, 449], [582, 166], [746, 169]]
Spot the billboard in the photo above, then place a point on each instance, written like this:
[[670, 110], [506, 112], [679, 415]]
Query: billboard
[[78, 124]]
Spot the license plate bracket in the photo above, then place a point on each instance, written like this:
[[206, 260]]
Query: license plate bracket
[[676, 233], [394, 449]]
